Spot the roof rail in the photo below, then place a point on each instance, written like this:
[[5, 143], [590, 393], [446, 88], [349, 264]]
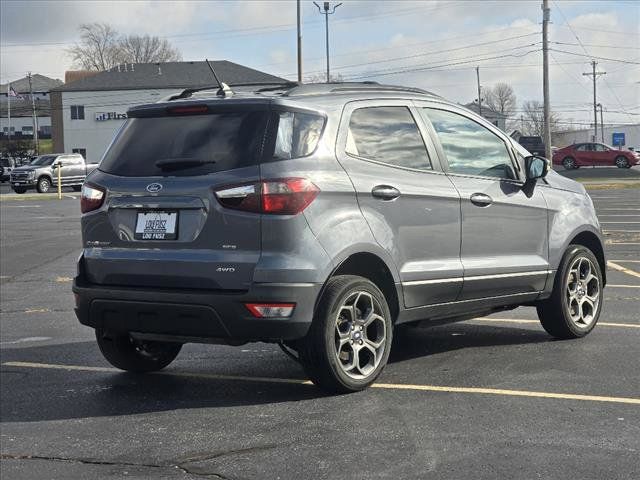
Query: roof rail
[[267, 86], [343, 87]]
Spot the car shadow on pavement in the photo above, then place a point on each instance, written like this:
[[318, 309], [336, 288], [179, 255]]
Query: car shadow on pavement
[[39, 394], [411, 342]]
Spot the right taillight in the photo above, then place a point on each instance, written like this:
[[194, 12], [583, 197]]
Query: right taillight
[[91, 198], [285, 196]]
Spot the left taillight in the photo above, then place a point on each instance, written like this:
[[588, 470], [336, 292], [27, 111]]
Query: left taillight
[[285, 196], [91, 198]]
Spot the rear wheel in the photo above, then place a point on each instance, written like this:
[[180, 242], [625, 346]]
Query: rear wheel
[[350, 338], [573, 309], [19, 189], [622, 162], [569, 163], [44, 185], [126, 353]]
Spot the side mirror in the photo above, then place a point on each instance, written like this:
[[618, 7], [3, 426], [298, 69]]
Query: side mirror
[[536, 167]]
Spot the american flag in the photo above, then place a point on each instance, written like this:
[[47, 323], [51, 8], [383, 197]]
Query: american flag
[[12, 93]]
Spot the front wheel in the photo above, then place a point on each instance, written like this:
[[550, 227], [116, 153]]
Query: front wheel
[[622, 162], [575, 304], [349, 341], [569, 163], [44, 185], [126, 353], [19, 189]]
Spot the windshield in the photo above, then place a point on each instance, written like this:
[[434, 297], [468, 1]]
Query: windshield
[[44, 160]]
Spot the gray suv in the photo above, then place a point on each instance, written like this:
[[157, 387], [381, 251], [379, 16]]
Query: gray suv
[[322, 217]]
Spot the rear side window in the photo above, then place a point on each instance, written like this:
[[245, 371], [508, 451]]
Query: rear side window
[[297, 135], [218, 141], [388, 135]]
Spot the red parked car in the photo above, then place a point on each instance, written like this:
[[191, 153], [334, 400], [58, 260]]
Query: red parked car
[[594, 154]]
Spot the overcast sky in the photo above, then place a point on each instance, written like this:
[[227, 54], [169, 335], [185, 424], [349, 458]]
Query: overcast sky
[[432, 44]]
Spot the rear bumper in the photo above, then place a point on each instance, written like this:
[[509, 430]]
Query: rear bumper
[[195, 313]]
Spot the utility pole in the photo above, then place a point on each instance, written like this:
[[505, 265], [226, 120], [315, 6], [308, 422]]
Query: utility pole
[[601, 123], [479, 90], [595, 75], [326, 11], [299, 42], [9, 109], [546, 16], [35, 116]]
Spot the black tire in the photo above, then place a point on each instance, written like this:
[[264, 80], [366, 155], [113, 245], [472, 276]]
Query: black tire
[[44, 185], [318, 351], [19, 189], [622, 162], [554, 313], [77, 188], [569, 163], [125, 353]]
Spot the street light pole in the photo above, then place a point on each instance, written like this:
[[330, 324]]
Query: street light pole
[[299, 43], [326, 10], [546, 14]]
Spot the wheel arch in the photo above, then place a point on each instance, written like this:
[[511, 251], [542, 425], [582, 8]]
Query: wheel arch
[[370, 266], [591, 241]]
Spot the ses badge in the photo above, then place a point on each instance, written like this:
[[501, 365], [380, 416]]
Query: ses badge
[[156, 226]]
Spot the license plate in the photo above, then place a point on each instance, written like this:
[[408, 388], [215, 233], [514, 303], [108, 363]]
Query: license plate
[[156, 226]]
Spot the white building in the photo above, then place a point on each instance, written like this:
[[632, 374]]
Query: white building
[[21, 121], [569, 137], [88, 112]]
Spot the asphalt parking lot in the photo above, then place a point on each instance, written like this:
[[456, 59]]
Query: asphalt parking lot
[[482, 399]]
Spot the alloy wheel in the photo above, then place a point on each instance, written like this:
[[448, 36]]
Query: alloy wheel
[[621, 162], [583, 292], [360, 335]]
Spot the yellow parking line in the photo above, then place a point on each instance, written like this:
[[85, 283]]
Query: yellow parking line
[[522, 320], [383, 386], [620, 268]]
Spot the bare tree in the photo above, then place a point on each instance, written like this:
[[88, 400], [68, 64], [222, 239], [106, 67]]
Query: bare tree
[[322, 78], [533, 119], [147, 49], [97, 48], [501, 99], [101, 47]]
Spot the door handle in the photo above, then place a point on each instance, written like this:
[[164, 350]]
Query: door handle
[[481, 199], [385, 192]]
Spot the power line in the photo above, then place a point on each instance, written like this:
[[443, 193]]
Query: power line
[[406, 57], [431, 66], [595, 56]]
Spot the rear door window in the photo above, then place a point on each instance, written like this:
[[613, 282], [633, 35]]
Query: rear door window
[[388, 135], [206, 143]]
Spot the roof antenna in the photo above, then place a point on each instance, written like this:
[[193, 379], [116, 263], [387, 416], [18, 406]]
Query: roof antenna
[[225, 90]]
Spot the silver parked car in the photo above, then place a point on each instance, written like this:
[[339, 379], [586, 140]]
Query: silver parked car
[[322, 217]]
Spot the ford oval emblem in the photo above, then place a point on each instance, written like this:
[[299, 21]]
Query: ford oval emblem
[[154, 187]]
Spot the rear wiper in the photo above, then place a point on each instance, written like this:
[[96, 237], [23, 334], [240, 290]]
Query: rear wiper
[[178, 163]]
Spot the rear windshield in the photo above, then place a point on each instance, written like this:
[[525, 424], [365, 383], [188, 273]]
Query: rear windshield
[[202, 144], [224, 140]]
